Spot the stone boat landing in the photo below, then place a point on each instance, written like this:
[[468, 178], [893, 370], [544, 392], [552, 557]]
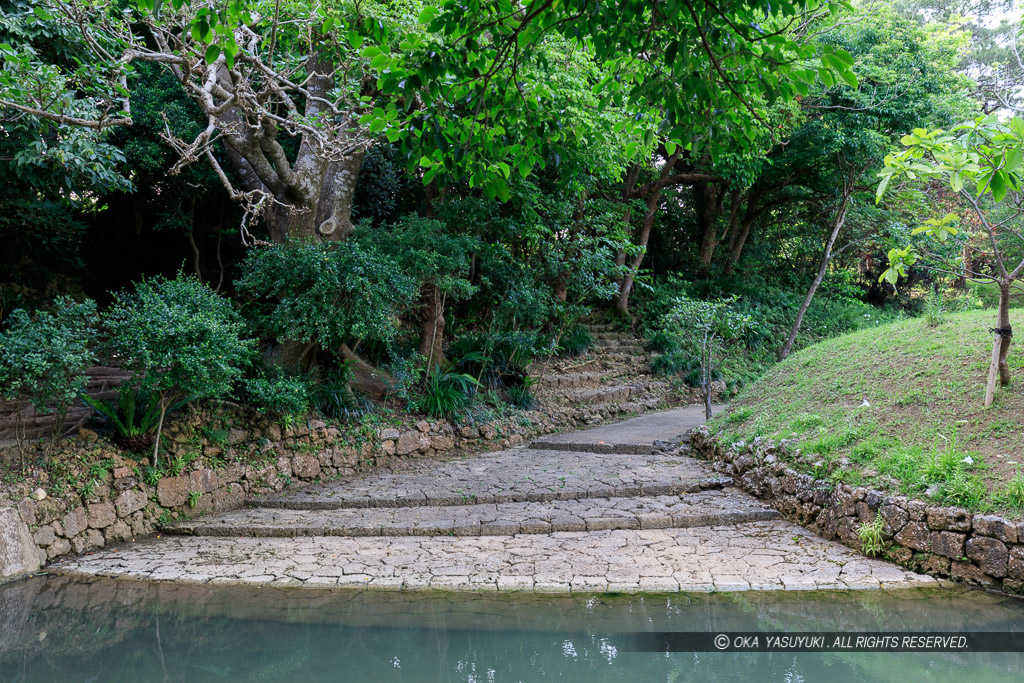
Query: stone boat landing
[[618, 508]]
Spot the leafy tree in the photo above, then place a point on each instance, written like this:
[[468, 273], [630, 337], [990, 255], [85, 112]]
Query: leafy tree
[[981, 162], [180, 340], [706, 329]]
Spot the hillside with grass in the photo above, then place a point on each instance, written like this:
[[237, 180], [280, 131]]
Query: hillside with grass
[[898, 407]]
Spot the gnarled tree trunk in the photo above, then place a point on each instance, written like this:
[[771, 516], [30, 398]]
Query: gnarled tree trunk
[[1003, 335]]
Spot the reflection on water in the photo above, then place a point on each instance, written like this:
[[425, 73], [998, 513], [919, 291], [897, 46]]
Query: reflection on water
[[60, 629]]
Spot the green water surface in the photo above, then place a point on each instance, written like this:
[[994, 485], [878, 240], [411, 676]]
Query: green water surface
[[60, 629]]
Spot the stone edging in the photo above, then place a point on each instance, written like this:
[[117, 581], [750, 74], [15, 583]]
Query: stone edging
[[947, 542]]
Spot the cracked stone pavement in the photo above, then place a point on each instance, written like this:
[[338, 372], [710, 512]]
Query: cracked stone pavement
[[537, 518]]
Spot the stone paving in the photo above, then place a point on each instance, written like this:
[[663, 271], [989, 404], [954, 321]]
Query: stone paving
[[758, 555], [525, 519], [516, 475], [703, 508]]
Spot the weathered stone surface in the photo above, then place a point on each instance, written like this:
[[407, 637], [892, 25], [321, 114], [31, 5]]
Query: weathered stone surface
[[203, 481], [88, 540], [996, 527], [75, 522], [101, 515], [948, 544], [950, 519], [118, 532], [172, 491], [990, 554], [914, 535], [389, 434], [44, 536], [701, 508], [18, 552], [1015, 563], [895, 518], [965, 571], [305, 466], [407, 442], [766, 555], [130, 501]]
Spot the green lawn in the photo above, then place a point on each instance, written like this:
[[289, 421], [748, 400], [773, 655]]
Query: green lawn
[[898, 407]]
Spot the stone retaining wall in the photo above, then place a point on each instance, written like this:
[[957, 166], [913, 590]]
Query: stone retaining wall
[[223, 471], [949, 542]]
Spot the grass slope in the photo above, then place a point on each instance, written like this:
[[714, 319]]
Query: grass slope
[[898, 407]]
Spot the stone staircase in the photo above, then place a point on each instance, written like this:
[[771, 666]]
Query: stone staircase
[[618, 508], [613, 379]]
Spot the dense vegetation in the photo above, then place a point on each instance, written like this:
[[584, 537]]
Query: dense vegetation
[[328, 207]]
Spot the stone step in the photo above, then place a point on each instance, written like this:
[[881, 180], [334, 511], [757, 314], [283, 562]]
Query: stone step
[[595, 328], [573, 380], [624, 344], [702, 508], [613, 335], [513, 476], [773, 555]]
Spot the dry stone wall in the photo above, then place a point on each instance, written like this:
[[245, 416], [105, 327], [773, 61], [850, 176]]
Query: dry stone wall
[[949, 542]]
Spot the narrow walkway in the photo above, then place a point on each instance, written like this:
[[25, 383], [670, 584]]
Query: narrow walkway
[[616, 508]]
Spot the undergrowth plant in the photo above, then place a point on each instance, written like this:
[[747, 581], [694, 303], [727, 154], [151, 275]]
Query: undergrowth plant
[[872, 540]]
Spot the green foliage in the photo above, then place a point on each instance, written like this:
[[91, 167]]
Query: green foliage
[[278, 394], [521, 396], [872, 540], [661, 341], [496, 359], [934, 307], [326, 293], [42, 358], [575, 341], [136, 412], [333, 397], [179, 338], [445, 394]]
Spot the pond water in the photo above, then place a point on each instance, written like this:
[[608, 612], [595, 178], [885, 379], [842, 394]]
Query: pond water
[[61, 629]]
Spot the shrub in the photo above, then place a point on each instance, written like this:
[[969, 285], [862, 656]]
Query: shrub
[[496, 359], [872, 541], [706, 329], [333, 397], [134, 416], [522, 396], [279, 394], [327, 294], [662, 342], [43, 358], [180, 339], [934, 312], [576, 341], [445, 393]]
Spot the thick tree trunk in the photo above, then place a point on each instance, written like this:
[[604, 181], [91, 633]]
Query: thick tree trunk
[[432, 324], [837, 225], [999, 368], [708, 200], [626, 285]]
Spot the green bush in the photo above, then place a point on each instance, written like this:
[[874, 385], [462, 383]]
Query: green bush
[[134, 417], [445, 394], [180, 339], [662, 342], [42, 358], [327, 294], [496, 359], [934, 307], [333, 397], [521, 397], [576, 341], [278, 394]]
